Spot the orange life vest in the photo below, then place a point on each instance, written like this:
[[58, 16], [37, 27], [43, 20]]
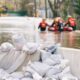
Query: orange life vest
[[43, 24], [72, 22]]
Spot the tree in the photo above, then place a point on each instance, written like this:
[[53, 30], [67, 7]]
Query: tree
[[61, 7], [56, 7], [24, 6], [77, 11], [77, 7]]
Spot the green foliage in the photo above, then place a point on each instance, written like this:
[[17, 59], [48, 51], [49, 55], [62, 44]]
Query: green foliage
[[77, 7], [9, 6], [77, 12], [19, 13]]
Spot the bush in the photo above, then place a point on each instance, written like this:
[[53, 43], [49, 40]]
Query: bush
[[19, 13]]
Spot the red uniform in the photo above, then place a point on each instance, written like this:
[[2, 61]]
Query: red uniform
[[43, 26], [71, 23]]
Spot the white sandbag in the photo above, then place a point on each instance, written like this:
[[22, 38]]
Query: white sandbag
[[3, 74], [16, 79], [30, 70], [55, 76], [52, 49], [64, 63], [40, 68], [54, 70], [7, 49], [28, 74], [25, 49], [69, 77], [7, 61], [6, 46], [49, 78], [53, 60], [36, 76], [32, 47], [45, 55], [18, 62], [17, 75], [34, 57], [65, 71], [19, 41], [2, 55], [10, 78], [26, 78], [56, 57], [24, 68], [49, 62]]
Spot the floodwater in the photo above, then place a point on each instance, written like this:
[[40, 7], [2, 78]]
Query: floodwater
[[66, 39]]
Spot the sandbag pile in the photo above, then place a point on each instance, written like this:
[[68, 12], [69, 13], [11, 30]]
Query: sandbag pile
[[50, 66]]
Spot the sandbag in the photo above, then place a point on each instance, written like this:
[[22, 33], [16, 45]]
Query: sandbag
[[30, 70], [6, 47], [7, 61], [49, 78], [17, 75], [10, 78], [52, 60], [69, 77], [64, 72], [64, 63], [40, 68], [49, 62], [53, 71], [18, 62], [28, 74], [19, 41], [32, 47], [26, 79], [56, 57], [3, 74], [44, 55], [36, 76], [52, 48]]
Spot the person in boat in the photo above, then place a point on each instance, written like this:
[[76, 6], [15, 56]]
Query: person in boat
[[57, 24], [71, 23], [43, 25]]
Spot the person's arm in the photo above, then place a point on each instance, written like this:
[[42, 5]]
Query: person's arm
[[39, 25], [47, 24], [52, 25], [66, 23]]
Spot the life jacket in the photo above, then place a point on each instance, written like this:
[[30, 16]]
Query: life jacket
[[43, 25], [72, 22]]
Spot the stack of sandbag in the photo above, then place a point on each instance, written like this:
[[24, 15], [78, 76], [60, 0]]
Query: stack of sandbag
[[13, 56], [51, 67], [47, 66]]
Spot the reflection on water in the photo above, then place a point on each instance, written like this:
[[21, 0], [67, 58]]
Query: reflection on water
[[67, 39]]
